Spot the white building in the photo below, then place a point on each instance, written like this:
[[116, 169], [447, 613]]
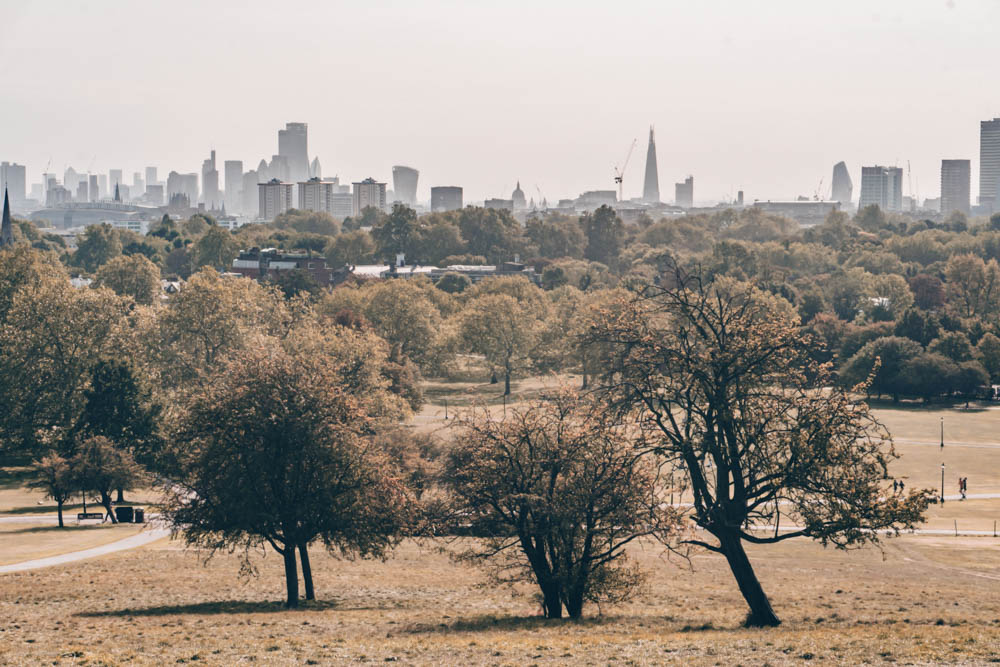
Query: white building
[[367, 193]]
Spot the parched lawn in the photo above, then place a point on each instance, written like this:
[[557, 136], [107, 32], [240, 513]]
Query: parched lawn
[[924, 601], [28, 541]]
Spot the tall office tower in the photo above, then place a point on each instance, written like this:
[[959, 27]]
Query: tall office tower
[[517, 198], [989, 161], [94, 189], [138, 185], [249, 196], [882, 186], [651, 186], [82, 190], [956, 176], [684, 193], [446, 198], [210, 183], [12, 179], [234, 185], [275, 198], [315, 169], [842, 186], [316, 195], [151, 177], [183, 184], [279, 168], [114, 178], [368, 192], [102, 186], [293, 145], [404, 182], [154, 194], [71, 179]]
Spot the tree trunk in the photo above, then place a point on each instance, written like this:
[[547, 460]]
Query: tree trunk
[[291, 577], [574, 604], [106, 501], [506, 384], [121, 495], [307, 575], [761, 615], [59, 505], [551, 604]]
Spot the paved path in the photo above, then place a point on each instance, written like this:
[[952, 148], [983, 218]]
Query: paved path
[[150, 534]]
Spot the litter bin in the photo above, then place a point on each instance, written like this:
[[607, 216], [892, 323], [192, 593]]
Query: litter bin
[[124, 514], [139, 516]]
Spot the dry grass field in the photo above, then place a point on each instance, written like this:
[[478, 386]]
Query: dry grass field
[[922, 600], [28, 541]]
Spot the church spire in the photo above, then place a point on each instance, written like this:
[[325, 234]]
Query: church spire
[[6, 228], [118, 197]]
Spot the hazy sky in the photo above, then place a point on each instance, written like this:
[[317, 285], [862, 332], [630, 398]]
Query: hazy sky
[[763, 96]]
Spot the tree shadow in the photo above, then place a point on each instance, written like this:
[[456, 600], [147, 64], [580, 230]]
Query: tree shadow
[[504, 624], [217, 607], [54, 528]]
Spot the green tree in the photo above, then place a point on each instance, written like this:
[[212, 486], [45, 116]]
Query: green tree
[[492, 233], [974, 285], [54, 476], [351, 248], [274, 452], [559, 490], [988, 351], [725, 374], [97, 246], [401, 313], [605, 233], [453, 283], [132, 275], [216, 248], [397, 234], [557, 237], [885, 357], [928, 375], [501, 329], [99, 467], [307, 222], [953, 344]]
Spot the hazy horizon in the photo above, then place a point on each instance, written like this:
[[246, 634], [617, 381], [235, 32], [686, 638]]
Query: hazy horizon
[[763, 98]]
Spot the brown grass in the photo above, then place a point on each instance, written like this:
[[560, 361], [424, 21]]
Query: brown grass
[[28, 541]]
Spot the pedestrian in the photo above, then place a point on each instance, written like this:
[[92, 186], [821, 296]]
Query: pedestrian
[[895, 486], [965, 486], [900, 485]]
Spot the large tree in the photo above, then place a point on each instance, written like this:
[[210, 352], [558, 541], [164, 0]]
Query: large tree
[[503, 330], [274, 451], [54, 476], [99, 467], [131, 275], [558, 489], [722, 370], [397, 234], [605, 233]]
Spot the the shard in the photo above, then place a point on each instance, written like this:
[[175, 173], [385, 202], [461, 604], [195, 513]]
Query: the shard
[[651, 187]]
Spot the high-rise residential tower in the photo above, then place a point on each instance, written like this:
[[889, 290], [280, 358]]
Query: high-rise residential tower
[[275, 198], [651, 186], [316, 195], [151, 177], [293, 145], [955, 185], [684, 193], [234, 185], [404, 182], [14, 181], [882, 186], [368, 192], [842, 186], [989, 161]]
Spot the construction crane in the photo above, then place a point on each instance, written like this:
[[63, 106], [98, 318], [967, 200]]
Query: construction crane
[[819, 189], [620, 173], [909, 180], [541, 198]]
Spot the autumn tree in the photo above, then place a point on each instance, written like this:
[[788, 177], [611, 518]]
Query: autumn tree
[[275, 451], [605, 233], [131, 275], [55, 478], [404, 316], [350, 248], [503, 330], [723, 372], [97, 246], [974, 285], [558, 489], [99, 467], [396, 234], [216, 248]]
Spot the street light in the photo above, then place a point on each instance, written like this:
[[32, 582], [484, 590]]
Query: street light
[[942, 432], [942, 484]]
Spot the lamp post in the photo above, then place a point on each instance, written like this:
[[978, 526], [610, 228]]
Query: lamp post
[[942, 432], [942, 484]]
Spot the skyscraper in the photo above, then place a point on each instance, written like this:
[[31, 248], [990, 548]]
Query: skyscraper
[[210, 183], [882, 186], [955, 185], [446, 198], [842, 186], [684, 193], [234, 185], [651, 186], [151, 177], [94, 189], [404, 182], [293, 145], [989, 161], [14, 181], [368, 192], [249, 198], [316, 195], [275, 198], [315, 169]]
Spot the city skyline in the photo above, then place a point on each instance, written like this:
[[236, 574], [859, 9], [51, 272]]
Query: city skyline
[[728, 104]]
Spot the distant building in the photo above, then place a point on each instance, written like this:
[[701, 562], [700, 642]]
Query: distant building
[[368, 192], [404, 183], [446, 198], [151, 177], [248, 191], [275, 198], [499, 204], [234, 185], [956, 178], [182, 184], [684, 193], [805, 212], [154, 195], [57, 195], [293, 147], [517, 198], [316, 195], [989, 161], [83, 190], [882, 186], [315, 169], [94, 189], [595, 199], [651, 185], [71, 179], [210, 183], [843, 188], [6, 227], [114, 178], [269, 263], [138, 188], [14, 181]]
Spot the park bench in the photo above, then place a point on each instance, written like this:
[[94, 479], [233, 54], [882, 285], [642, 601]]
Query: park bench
[[83, 516]]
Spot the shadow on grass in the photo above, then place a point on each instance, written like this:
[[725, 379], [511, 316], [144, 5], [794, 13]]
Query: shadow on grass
[[219, 607], [70, 526], [939, 406], [505, 623]]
